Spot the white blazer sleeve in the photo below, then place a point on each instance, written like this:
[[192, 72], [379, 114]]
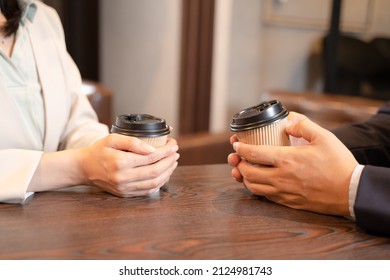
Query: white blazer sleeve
[[82, 127], [16, 170]]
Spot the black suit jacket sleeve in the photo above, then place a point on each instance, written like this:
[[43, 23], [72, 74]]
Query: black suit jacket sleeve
[[372, 204], [370, 143]]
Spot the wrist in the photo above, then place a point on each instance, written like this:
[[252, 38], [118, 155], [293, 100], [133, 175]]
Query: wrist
[[81, 164], [57, 170]]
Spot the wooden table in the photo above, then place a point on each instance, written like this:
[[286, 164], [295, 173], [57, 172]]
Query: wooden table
[[201, 214]]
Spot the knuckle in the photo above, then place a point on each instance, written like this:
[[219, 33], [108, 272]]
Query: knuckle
[[118, 164], [116, 179]]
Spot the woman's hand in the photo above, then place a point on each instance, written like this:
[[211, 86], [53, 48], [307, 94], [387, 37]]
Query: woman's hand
[[313, 174], [126, 166]]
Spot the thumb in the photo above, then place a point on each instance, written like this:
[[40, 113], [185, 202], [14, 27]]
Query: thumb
[[129, 144], [305, 129]]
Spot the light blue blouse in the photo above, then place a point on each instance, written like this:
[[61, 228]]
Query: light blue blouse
[[19, 74]]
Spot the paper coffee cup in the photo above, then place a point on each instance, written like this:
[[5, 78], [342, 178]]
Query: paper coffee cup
[[148, 128], [262, 124]]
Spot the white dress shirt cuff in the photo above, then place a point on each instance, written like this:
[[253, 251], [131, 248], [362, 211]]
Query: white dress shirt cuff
[[353, 186]]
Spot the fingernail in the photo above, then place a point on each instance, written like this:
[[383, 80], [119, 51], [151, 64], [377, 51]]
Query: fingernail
[[177, 156], [175, 148], [235, 146]]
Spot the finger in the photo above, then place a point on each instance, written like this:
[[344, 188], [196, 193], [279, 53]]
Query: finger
[[294, 118], [260, 154], [158, 182], [171, 141], [233, 139], [129, 193], [305, 129], [259, 189], [148, 172], [233, 159], [122, 190], [128, 143], [257, 174], [236, 175], [136, 160], [150, 185]]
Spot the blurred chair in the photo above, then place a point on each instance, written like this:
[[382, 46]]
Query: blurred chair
[[362, 67], [100, 98], [328, 110]]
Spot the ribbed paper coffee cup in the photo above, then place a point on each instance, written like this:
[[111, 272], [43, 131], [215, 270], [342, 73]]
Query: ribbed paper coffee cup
[[262, 124], [148, 128]]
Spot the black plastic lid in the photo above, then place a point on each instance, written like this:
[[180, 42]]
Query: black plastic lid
[[140, 125], [259, 115]]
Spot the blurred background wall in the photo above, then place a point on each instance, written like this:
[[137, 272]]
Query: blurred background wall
[[140, 52], [258, 45]]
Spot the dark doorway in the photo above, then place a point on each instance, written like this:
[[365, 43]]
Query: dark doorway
[[196, 63], [80, 20]]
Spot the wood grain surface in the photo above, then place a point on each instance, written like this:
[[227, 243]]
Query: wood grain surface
[[202, 213]]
